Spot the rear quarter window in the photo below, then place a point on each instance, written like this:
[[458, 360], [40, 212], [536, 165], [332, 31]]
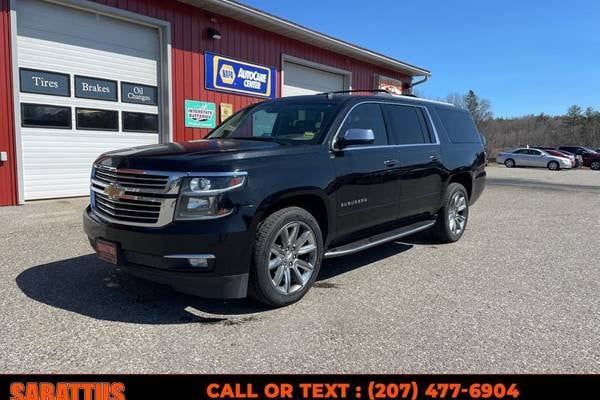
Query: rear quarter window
[[458, 125]]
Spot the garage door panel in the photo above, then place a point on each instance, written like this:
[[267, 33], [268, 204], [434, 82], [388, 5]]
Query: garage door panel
[[57, 162], [54, 56], [302, 80], [79, 28]]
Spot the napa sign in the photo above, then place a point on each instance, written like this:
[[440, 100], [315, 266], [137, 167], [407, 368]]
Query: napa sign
[[228, 75]]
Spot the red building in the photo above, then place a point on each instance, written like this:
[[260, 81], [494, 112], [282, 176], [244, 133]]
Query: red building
[[78, 78]]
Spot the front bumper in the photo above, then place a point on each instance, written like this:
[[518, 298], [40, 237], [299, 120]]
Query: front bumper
[[147, 253]]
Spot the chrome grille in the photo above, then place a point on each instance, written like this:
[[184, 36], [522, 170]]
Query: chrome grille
[[142, 199], [128, 210], [131, 180]]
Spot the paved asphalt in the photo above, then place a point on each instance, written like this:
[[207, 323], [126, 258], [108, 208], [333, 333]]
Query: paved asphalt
[[519, 293]]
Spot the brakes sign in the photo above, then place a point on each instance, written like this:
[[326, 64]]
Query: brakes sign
[[229, 75]]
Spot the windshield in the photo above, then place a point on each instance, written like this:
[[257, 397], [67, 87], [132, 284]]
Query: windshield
[[589, 150], [287, 122]]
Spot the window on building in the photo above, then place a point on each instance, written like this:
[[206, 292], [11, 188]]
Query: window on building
[[406, 124], [367, 116], [45, 116], [100, 120], [140, 122]]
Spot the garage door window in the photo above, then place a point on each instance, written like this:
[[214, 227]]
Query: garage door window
[[140, 122], [99, 120], [45, 116]]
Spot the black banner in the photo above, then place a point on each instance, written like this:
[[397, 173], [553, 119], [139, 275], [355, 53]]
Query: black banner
[[303, 387]]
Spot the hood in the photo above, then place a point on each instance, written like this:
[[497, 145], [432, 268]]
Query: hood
[[217, 154]]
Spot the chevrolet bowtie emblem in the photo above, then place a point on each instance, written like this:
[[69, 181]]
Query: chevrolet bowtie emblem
[[114, 192]]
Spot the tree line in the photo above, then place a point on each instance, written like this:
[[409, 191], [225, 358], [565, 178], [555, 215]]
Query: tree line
[[578, 126]]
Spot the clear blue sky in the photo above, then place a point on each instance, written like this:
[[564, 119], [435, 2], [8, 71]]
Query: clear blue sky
[[524, 56]]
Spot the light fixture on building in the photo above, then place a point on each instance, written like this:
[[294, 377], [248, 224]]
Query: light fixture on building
[[213, 34]]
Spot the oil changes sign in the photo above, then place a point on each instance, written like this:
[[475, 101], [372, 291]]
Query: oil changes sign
[[228, 75]]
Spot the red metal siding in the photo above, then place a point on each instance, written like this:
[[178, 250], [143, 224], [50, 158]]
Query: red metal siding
[[239, 40], [8, 175], [188, 41]]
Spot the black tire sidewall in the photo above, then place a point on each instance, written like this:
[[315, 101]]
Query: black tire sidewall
[[260, 272], [553, 163], [507, 162], [596, 163], [452, 189]]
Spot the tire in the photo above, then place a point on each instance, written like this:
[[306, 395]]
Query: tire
[[509, 163], [553, 166], [270, 272], [595, 165], [444, 230]]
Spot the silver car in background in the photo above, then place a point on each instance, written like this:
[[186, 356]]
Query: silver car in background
[[527, 157]]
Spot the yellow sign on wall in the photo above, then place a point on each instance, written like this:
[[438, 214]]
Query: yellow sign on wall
[[226, 111]]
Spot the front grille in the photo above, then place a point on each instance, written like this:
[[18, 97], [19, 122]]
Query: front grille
[[132, 180], [143, 199], [128, 210]]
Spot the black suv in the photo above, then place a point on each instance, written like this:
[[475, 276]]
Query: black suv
[[281, 185]]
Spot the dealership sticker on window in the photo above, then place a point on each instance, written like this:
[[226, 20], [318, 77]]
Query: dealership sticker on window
[[229, 75], [200, 114]]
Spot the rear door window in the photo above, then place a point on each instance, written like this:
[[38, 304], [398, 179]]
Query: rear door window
[[406, 124], [367, 116], [459, 125]]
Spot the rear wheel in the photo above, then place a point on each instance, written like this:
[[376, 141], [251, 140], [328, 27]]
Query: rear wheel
[[510, 163], [595, 165], [454, 214], [553, 166], [287, 257]]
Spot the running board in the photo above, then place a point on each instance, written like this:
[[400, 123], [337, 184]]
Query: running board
[[378, 239]]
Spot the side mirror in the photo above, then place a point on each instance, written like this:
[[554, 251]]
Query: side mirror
[[355, 136]]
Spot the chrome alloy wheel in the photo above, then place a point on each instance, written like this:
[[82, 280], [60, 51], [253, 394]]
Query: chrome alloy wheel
[[292, 258], [457, 210]]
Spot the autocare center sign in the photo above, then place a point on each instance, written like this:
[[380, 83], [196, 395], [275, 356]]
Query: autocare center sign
[[229, 75]]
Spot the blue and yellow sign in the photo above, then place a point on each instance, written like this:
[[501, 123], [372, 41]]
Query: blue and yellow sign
[[226, 74]]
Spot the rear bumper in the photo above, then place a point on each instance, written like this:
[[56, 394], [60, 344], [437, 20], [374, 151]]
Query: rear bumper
[[148, 253]]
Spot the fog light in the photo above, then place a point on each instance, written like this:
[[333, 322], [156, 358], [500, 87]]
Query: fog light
[[198, 262]]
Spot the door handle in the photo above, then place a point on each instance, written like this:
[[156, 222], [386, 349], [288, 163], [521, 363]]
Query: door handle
[[434, 157], [391, 163]]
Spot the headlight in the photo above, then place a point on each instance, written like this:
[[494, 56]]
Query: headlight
[[203, 197]]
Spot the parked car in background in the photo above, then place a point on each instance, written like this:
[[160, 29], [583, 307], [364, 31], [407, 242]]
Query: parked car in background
[[591, 158], [559, 153], [530, 157], [578, 158]]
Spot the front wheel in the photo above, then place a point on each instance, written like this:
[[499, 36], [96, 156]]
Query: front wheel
[[553, 166], [287, 257], [454, 214], [510, 163], [595, 165]]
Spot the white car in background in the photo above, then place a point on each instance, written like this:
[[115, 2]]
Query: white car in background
[[527, 157]]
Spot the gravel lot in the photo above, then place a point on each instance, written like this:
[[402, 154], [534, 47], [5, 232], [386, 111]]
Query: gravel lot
[[519, 293]]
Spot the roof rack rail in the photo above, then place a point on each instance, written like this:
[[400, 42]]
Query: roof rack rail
[[330, 94]]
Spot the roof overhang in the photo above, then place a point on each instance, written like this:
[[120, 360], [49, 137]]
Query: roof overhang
[[271, 23]]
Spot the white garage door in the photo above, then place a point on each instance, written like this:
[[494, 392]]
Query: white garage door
[[88, 84], [301, 80]]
